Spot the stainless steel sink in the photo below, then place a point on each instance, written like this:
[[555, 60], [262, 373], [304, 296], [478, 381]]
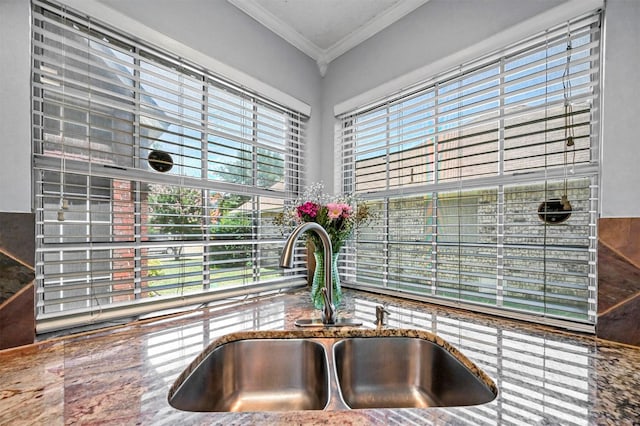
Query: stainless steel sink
[[258, 375], [330, 369], [404, 372]]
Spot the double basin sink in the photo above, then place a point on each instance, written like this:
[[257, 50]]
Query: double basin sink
[[330, 370]]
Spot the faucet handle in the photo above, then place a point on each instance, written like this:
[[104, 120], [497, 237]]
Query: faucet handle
[[381, 310], [329, 310]]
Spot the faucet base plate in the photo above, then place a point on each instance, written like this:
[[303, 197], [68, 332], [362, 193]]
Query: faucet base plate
[[317, 322]]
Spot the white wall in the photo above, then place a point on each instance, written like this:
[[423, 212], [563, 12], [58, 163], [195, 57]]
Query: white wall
[[15, 113], [439, 29], [444, 29], [238, 47], [223, 32], [620, 181], [435, 31]]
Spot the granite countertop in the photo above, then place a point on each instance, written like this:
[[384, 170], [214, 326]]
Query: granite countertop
[[122, 375]]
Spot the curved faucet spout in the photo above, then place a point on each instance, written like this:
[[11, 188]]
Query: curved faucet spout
[[286, 261]]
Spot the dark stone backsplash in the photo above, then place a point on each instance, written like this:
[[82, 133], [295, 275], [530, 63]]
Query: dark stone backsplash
[[13, 277], [17, 252], [17, 260], [619, 280]]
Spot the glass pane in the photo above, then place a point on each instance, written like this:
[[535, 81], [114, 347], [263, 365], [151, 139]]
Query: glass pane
[[104, 106]]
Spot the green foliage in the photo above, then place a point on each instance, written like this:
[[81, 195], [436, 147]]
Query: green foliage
[[269, 168], [155, 268], [178, 210], [181, 212], [235, 227]]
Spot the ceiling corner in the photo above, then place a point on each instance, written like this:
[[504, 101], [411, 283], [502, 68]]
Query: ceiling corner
[[276, 25], [382, 21], [305, 24]]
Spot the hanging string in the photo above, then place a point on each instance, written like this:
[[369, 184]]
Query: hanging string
[[569, 141], [177, 252], [545, 223], [64, 204], [182, 192], [459, 153], [94, 295]]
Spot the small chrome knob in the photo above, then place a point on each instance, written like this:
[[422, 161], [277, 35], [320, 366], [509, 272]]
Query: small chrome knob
[[381, 310]]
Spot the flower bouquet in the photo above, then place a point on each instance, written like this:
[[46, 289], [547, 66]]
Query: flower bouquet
[[339, 216]]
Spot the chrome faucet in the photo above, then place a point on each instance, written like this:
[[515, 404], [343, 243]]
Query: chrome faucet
[[286, 261]]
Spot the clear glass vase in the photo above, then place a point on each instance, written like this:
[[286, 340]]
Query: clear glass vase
[[318, 280]]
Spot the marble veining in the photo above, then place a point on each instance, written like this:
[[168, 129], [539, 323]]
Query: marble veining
[[619, 280], [122, 376], [17, 317], [13, 277], [17, 250]]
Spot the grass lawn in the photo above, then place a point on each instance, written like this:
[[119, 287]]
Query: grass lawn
[[171, 277]]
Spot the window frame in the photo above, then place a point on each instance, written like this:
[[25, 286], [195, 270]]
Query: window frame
[[386, 191], [274, 142]]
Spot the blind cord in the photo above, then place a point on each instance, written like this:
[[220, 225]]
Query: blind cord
[[64, 204], [545, 223], [93, 295], [569, 141]]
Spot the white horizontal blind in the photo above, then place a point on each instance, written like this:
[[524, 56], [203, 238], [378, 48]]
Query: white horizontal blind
[[113, 233], [541, 378], [457, 167]]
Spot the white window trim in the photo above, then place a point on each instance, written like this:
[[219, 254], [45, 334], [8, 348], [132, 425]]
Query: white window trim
[[126, 24], [522, 30], [585, 170], [118, 310]]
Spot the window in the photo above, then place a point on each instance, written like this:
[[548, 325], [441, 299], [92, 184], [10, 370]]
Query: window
[[463, 168], [155, 179]]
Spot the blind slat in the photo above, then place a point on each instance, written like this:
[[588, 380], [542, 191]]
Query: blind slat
[[456, 168], [116, 235]]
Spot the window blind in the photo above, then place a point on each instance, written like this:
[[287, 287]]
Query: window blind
[[155, 179], [457, 168], [524, 367]]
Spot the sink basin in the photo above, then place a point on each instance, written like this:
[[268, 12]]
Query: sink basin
[[257, 375], [404, 372], [330, 369]]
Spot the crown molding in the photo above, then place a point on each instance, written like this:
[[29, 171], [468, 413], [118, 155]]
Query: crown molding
[[275, 24], [549, 18], [379, 23], [323, 57]]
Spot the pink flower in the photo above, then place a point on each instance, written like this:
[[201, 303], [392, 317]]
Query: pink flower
[[310, 209], [346, 210], [334, 210]]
